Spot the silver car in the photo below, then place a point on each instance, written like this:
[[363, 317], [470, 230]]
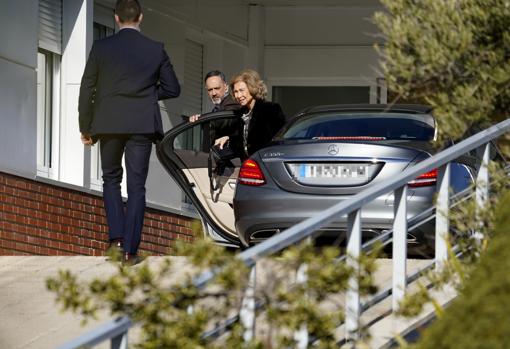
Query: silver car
[[325, 154]]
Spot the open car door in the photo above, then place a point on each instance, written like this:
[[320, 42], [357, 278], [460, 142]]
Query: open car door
[[185, 153]]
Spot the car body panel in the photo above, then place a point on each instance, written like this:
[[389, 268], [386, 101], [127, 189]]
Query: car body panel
[[283, 209]]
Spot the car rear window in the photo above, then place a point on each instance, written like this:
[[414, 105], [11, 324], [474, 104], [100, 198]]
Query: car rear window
[[363, 127]]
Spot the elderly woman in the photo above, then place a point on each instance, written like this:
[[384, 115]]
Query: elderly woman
[[262, 119]]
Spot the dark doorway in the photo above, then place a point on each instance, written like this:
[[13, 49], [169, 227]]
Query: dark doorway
[[295, 98]]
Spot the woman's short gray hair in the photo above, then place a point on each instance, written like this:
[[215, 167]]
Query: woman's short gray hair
[[255, 84]]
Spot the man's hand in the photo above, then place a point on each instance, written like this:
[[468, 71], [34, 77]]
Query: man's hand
[[86, 139], [221, 141], [194, 118]]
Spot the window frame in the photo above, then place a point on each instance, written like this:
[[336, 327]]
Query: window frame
[[48, 119]]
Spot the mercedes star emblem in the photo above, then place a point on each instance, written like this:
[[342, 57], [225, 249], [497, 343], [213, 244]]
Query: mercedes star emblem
[[333, 149]]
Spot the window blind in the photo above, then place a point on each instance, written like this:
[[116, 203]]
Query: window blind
[[193, 73], [50, 25]]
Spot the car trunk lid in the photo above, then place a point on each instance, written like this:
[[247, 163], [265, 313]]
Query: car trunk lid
[[336, 168]]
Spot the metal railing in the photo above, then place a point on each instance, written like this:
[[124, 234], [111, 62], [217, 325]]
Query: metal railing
[[117, 330]]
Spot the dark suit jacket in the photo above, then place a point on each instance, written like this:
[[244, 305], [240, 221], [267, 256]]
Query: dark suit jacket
[[225, 127], [228, 103], [125, 76]]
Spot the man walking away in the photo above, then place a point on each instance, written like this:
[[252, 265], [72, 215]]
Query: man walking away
[[125, 76]]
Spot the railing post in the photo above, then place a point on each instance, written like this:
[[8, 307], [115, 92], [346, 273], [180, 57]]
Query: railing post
[[399, 246], [482, 179], [120, 342], [247, 313], [442, 214], [301, 335], [353, 306]]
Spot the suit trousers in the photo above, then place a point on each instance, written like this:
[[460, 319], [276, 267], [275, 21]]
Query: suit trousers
[[125, 223]]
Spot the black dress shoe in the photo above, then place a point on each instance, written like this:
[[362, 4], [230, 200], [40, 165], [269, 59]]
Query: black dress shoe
[[131, 259], [115, 247]]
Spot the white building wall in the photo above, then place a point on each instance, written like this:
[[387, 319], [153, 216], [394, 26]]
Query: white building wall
[[309, 45], [320, 46], [228, 19], [168, 25], [74, 158], [18, 61], [327, 25]]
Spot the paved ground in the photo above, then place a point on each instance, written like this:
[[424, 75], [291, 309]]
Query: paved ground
[[29, 317]]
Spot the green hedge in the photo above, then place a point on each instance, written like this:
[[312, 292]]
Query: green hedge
[[480, 316]]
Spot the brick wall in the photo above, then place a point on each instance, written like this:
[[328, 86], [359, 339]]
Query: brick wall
[[42, 219]]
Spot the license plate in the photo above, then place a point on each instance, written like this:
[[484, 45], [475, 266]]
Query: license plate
[[333, 171], [331, 174]]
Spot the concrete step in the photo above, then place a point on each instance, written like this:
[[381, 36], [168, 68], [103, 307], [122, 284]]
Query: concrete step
[[29, 317]]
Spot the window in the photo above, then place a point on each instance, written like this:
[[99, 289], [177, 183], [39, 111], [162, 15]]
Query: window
[[193, 85], [192, 93], [101, 31], [193, 75], [44, 110], [295, 98], [368, 126], [48, 86]]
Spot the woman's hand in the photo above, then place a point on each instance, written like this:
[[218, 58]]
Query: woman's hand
[[221, 141]]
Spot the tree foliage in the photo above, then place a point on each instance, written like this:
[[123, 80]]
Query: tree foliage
[[453, 55], [478, 318], [177, 314]]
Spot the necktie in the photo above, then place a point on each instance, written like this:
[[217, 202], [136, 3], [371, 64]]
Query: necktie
[[216, 108]]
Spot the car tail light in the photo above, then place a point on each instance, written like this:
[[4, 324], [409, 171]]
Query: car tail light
[[426, 179], [251, 174]]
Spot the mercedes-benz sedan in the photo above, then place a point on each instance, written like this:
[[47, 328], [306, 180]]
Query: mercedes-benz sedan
[[323, 155], [327, 154]]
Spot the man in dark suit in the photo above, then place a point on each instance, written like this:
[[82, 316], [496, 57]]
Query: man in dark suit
[[125, 76], [217, 90]]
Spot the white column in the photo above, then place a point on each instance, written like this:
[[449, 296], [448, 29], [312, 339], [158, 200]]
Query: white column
[[399, 246], [301, 335], [256, 27], [353, 305], [247, 313], [442, 209], [482, 187], [482, 178], [120, 342], [77, 40]]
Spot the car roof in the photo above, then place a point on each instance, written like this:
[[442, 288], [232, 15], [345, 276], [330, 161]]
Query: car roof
[[388, 108]]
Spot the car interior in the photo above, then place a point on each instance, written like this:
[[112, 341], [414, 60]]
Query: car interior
[[213, 182]]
